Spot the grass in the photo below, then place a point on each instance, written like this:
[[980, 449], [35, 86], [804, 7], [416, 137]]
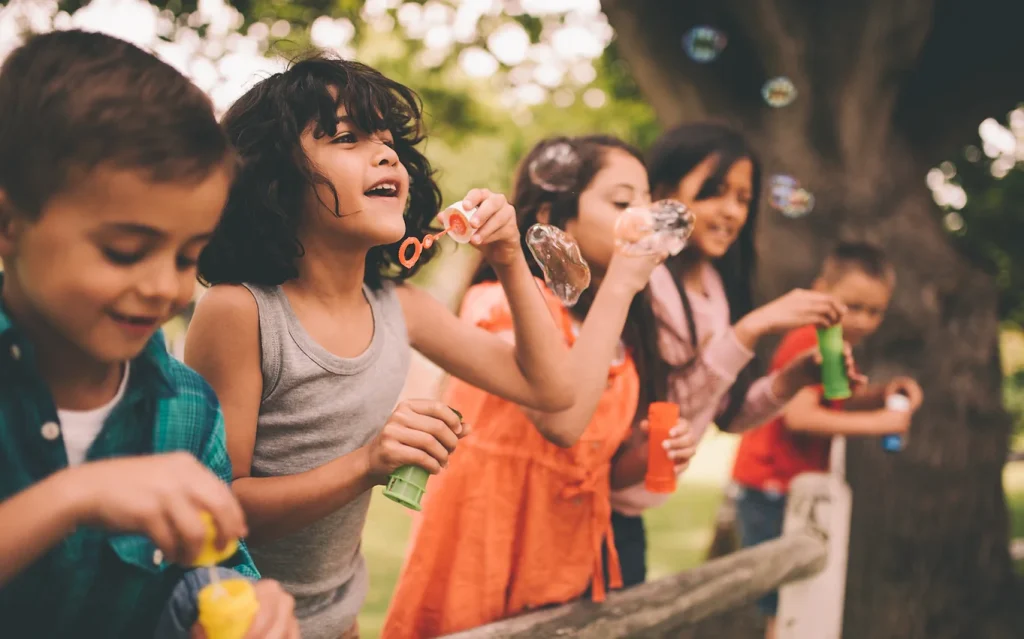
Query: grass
[[678, 533]]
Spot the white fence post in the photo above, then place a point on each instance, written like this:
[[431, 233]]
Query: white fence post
[[812, 608]]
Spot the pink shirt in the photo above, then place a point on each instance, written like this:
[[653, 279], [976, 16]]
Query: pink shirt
[[701, 388]]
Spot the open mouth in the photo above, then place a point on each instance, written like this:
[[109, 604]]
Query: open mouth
[[140, 322], [384, 188]]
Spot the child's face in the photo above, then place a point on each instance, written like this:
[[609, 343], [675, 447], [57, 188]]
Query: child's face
[[866, 299], [106, 263], [372, 186], [720, 218], [620, 184]]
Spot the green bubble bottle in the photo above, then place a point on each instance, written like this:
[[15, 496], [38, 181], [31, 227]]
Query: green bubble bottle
[[833, 365], [408, 483]]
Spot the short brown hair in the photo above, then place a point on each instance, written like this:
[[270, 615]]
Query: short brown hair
[[857, 256], [71, 101]]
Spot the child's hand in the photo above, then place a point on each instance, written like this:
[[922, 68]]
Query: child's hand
[[497, 235], [275, 618], [796, 308], [160, 496], [421, 433], [681, 445], [805, 370], [895, 422], [906, 386], [631, 272]]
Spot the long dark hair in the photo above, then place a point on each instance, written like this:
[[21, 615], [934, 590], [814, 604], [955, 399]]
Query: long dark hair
[[640, 330], [257, 238], [669, 160]]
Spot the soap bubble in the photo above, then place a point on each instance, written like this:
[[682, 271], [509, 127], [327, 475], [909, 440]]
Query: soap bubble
[[663, 227], [788, 197], [555, 168], [781, 188], [704, 43], [565, 271], [801, 201], [779, 92]]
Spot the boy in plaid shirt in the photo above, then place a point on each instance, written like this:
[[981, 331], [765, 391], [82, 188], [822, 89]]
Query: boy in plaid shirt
[[113, 174]]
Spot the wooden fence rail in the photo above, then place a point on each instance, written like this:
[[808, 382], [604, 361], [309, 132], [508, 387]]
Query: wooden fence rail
[[660, 606]]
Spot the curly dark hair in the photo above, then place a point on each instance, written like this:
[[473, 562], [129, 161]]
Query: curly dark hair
[[640, 331], [257, 239]]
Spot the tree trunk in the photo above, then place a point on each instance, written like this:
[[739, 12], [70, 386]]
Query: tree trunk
[[886, 90]]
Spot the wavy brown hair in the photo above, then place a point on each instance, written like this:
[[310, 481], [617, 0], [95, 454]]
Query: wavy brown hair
[[257, 240]]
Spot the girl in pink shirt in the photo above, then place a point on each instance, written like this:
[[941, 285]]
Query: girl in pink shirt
[[707, 327]]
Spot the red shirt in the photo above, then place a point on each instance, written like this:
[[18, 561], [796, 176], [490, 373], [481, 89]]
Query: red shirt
[[771, 455]]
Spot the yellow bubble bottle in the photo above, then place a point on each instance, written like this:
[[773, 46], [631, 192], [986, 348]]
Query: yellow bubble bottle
[[226, 608]]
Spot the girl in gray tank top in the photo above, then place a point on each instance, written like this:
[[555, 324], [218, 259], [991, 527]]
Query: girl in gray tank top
[[306, 332]]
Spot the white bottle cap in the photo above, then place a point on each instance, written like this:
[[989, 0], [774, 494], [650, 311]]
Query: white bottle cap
[[898, 402], [456, 219]]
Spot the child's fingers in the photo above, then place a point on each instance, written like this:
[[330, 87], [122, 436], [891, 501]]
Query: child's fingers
[[681, 467], [159, 528], [500, 226], [431, 408], [435, 429], [187, 526], [645, 425], [474, 198]]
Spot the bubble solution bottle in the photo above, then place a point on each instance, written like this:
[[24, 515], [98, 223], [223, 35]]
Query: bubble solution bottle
[[408, 483], [897, 402], [226, 608], [661, 472]]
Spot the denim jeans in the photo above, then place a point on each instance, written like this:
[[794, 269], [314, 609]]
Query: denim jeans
[[182, 608]]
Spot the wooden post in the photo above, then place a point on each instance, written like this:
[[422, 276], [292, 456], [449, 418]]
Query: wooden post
[[819, 505]]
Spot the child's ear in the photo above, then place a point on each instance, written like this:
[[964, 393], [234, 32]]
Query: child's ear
[[10, 225], [544, 214]]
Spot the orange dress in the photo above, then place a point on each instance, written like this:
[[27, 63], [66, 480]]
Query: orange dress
[[515, 522]]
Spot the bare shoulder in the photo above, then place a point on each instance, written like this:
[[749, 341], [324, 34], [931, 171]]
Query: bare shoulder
[[226, 320]]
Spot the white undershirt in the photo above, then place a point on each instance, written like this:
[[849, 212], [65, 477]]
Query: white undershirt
[[81, 427]]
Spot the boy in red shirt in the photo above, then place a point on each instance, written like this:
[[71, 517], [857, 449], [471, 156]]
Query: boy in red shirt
[[798, 441]]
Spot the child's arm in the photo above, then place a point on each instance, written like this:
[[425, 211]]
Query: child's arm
[[159, 496], [534, 370], [595, 348], [805, 414], [223, 345]]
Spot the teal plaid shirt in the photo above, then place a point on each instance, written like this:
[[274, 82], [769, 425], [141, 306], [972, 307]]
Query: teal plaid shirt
[[95, 583]]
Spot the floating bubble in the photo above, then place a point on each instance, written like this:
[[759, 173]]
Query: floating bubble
[[781, 188], [703, 44], [779, 92], [663, 227], [565, 271], [555, 168], [801, 201], [788, 197]]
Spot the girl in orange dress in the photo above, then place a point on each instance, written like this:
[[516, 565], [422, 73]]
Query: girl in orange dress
[[521, 518]]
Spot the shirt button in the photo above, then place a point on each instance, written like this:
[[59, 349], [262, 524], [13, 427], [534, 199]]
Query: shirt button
[[158, 557], [50, 431], [15, 352]]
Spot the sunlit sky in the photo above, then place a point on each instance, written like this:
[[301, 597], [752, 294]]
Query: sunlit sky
[[575, 32]]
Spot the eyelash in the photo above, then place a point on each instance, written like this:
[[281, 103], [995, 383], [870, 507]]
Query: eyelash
[[622, 205], [128, 259], [349, 138]]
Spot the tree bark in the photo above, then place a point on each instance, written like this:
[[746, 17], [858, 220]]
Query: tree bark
[[885, 91]]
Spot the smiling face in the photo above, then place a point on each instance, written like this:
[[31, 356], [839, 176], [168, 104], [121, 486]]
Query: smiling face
[[106, 263], [720, 217], [372, 185]]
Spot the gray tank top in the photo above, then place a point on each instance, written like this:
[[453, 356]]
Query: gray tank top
[[315, 408]]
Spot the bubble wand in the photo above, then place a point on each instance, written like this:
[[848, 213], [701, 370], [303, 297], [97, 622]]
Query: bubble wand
[[456, 226]]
